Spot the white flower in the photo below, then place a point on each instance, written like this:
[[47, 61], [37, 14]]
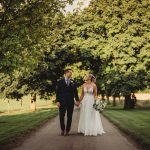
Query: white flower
[[99, 105]]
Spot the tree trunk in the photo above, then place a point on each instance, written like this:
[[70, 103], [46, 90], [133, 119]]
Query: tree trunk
[[128, 102], [114, 101], [21, 103], [8, 106], [119, 99], [108, 101], [103, 96], [33, 102]]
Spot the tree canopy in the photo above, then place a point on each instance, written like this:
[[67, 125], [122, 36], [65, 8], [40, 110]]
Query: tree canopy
[[110, 38]]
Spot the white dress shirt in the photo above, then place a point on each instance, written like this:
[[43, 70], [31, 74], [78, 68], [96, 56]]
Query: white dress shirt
[[68, 80]]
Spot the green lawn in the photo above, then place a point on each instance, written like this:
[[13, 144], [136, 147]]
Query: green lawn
[[16, 105], [134, 122], [12, 126]]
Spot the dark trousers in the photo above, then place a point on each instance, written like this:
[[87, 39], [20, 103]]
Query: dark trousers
[[62, 112]]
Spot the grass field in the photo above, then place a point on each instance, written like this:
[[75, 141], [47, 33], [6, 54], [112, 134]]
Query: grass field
[[16, 105], [135, 123], [13, 126]]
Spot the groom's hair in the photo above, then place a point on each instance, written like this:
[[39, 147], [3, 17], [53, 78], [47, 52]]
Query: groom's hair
[[67, 70]]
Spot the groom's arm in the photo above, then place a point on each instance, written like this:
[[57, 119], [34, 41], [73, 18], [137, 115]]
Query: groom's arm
[[58, 91]]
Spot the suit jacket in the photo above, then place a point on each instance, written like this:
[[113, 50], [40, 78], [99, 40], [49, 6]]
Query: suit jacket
[[66, 94]]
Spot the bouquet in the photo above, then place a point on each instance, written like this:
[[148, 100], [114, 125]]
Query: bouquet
[[99, 105]]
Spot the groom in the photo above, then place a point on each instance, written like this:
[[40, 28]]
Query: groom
[[66, 91]]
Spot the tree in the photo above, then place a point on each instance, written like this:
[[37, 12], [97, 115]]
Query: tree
[[112, 38], [28, 35]]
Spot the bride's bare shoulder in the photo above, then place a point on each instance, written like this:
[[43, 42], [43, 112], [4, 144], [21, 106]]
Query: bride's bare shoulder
[[94, 85], [83, 84]]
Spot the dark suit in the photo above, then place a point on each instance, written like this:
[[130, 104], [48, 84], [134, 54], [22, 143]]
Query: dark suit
[[65, 95]]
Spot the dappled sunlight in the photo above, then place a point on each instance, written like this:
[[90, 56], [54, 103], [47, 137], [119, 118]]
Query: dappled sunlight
[[103, 43]]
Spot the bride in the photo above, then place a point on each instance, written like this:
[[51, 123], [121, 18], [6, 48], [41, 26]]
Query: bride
[[89, 121]]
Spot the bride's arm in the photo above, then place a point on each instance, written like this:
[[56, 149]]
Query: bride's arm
[[82, 93], [95, 91]]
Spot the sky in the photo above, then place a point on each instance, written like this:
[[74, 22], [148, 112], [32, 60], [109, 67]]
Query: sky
[[69, 8]]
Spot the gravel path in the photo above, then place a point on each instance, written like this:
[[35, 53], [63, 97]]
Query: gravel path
[[48, 138]]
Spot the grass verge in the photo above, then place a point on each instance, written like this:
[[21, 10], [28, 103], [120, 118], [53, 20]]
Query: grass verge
[[17, 125], [135, 123]]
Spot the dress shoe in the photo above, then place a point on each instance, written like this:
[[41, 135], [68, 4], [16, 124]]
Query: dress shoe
[[67, 133], [62, 133]]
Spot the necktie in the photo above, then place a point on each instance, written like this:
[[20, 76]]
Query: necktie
[[67, 82]]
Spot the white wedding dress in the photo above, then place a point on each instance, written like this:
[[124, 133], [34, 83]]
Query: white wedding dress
[[89, 121]]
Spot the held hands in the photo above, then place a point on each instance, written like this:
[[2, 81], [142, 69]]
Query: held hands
[[77, 103], [58, 104]]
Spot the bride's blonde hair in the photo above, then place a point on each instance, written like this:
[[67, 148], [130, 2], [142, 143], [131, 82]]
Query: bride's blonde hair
[[93, 79]]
